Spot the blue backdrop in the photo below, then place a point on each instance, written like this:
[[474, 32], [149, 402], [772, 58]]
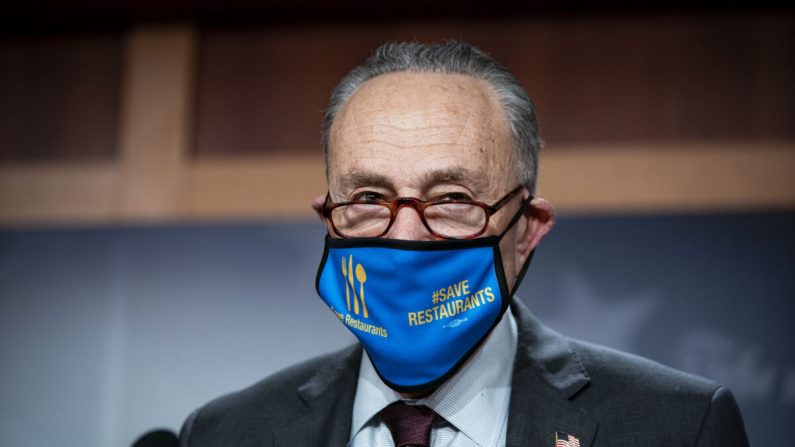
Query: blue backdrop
[[108, 332]]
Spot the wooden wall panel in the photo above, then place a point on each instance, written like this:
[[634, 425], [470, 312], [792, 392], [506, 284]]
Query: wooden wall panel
[[594, 79], [694, 177], [59, 97], [58, 193], [155, 132], [262, 91]]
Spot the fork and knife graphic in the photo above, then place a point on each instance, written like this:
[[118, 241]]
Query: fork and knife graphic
[[348, 273]]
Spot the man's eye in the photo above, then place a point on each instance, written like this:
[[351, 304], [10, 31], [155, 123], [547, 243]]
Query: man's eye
[[367, 196], [454, 197]]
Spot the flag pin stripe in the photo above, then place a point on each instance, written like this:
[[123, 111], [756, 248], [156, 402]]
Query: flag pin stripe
[[566, 440]]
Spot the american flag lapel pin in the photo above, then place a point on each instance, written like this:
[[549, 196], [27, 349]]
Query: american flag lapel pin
[[566, 440]]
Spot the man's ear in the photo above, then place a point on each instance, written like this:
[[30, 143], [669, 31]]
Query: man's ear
[[317, 205], [539, 219]]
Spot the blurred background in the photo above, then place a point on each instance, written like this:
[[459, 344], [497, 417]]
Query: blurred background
[[157, 159]]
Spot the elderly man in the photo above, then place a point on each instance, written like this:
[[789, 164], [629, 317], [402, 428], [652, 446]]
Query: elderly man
[[431, 157]]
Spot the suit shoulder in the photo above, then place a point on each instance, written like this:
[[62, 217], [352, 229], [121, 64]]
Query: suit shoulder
[[611, 368], [281, 386], [270, 401], [569, 364], [629, 395]]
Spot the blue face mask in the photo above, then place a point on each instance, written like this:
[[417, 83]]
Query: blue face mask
[[419, 308]]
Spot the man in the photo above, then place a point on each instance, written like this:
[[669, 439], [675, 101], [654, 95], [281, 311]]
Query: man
[[431, 155]]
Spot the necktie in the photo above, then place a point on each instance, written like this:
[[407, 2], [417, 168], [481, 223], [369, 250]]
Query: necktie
[[410, 424]]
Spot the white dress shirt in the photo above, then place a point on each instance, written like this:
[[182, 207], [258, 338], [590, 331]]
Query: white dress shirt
[[473, 403]]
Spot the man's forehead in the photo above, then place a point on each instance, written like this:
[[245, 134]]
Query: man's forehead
[[401, 108], [421, 93]]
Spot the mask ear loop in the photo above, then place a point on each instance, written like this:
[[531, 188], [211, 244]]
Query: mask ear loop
[[516, 217], [522, 272]]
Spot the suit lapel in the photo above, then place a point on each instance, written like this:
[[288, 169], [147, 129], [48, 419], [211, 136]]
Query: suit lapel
[[328, 397], [547, 374]]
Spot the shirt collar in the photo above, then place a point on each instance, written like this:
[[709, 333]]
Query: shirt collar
[[474, 400]]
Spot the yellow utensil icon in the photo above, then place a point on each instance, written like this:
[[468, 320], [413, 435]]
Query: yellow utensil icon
[[353, 287], [362, 277]]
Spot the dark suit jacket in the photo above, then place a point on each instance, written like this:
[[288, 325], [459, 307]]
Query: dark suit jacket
[[603, 397]]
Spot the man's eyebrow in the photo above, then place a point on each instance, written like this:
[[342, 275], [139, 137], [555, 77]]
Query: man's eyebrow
[[358, 179], [474, 181], [449, 175]]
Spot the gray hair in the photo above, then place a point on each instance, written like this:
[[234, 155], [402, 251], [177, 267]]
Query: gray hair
[[450, 57]]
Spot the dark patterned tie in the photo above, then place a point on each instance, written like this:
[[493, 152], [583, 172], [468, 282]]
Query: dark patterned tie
[[410, 424]]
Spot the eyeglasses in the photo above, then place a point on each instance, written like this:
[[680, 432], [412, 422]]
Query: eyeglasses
[[449, 219]]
